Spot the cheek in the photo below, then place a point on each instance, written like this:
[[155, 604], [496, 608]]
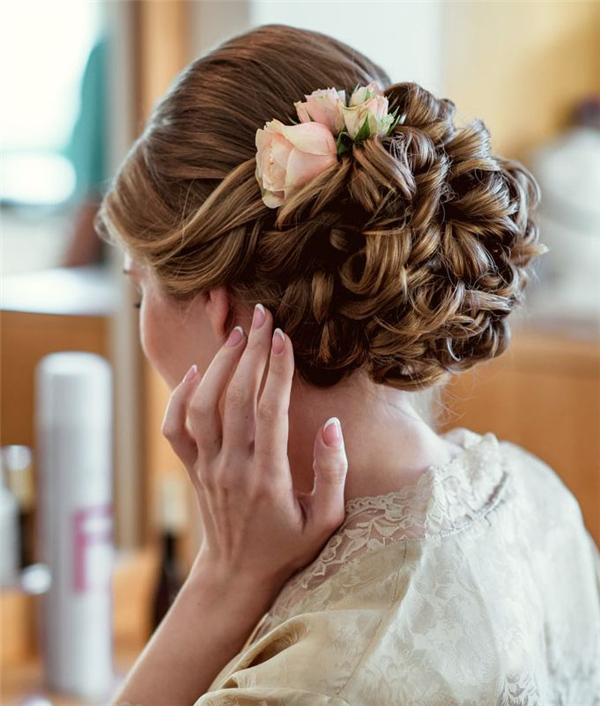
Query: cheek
[[146, 335], [164, 341], [154, 335], [170, 342]]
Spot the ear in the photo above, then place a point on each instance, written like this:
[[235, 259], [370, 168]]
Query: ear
[[219, 307]]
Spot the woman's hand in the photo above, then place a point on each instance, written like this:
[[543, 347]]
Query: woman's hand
[[256, 525]]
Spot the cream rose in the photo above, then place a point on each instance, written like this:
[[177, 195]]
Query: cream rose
[[364, 93], [375, 111]]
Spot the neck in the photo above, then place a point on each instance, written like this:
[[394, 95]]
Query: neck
[[388, 444]]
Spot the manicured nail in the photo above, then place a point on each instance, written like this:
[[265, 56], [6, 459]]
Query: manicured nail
[[332, 432], [235, 336], [191, 373], [259, 316], [278, 341]]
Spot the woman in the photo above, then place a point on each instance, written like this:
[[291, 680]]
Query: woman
[[368, 249]]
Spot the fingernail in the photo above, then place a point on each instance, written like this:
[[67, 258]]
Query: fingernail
[[332, 432], [235, 336], [278, 341], [191, 373], [259, 316]]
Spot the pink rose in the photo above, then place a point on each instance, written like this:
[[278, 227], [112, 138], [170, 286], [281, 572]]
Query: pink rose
[[323, 106], [289, 156]]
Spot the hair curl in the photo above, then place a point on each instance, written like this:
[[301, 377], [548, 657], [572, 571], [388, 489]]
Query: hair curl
[[403, 260]]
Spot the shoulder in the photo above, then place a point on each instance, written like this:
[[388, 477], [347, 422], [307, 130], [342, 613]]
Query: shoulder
[[542, 483], [551, 515]]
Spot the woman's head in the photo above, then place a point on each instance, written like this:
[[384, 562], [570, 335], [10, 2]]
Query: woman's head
[[403, 262]]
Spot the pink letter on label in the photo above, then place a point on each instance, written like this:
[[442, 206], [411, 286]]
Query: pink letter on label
[[92, 527]]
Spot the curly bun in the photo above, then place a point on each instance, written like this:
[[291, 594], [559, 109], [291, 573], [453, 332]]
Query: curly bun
[[403, 261]]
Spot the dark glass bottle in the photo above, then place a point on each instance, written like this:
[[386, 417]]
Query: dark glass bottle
[[171, 523], [18, 463], [169, 581]]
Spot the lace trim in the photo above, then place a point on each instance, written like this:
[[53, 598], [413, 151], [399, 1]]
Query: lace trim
[[444, 499]]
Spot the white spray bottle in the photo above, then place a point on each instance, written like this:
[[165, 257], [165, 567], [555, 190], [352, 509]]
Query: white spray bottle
[[75, 460]]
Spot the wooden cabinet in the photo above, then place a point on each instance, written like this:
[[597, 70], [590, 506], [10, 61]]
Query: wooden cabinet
[[20, 652], [43, 313], [25, 339], [543, 394]]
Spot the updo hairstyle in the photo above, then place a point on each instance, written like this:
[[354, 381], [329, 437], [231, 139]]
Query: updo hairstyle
[[402, 261]]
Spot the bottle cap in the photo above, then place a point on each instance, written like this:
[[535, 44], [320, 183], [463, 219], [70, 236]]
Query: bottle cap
[[74, 388], [19, 474]]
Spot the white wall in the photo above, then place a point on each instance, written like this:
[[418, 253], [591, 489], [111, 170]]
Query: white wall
[[214, 21], [404, 38]]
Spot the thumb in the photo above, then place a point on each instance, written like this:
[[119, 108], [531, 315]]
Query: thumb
[[330, 466]]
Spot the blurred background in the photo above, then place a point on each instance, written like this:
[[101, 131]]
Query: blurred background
[[77, 82]]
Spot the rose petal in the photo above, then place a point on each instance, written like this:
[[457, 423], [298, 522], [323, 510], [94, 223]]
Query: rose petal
[[302, 110], [270, 199], [280, 150], [313, 138], [273, 200], [354, 118], [303, 167], [376, 88], [322, 107], [271, 158]]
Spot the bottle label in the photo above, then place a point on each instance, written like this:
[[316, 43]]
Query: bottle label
[[93, 533]]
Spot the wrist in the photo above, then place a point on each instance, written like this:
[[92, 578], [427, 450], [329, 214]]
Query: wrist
[[245, 592]]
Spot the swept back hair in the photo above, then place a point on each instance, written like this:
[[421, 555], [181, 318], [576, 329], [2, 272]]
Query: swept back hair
[[403, 261]]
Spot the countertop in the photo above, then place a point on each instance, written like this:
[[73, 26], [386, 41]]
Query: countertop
[[74, 291]]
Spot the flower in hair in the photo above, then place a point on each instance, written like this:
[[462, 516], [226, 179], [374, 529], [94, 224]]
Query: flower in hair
[[289, 156], [367, 115]]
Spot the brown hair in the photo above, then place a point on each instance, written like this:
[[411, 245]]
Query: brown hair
[[402, 261]]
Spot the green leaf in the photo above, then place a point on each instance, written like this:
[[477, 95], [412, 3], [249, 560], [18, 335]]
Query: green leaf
[[342, 143], [398, 121], [364, 131]]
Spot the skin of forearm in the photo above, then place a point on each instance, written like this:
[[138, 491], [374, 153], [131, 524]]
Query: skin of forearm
[[205, 627]]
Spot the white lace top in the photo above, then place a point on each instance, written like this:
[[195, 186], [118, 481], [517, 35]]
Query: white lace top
[[478, 584]]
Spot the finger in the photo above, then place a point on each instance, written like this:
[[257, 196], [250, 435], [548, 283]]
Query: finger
[[242, 394], [272, 414], [203, 409], [327, 508], [174, 427]]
